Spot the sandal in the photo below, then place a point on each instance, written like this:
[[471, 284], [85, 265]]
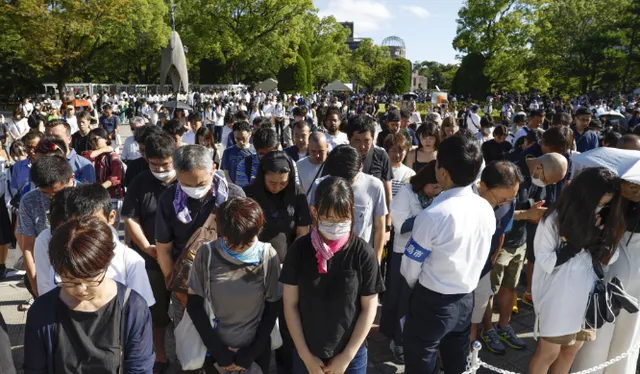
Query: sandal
[[160, 367], [26, 305]]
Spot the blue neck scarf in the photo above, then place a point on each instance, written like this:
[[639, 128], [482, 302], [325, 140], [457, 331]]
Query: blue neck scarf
[[252, 256]]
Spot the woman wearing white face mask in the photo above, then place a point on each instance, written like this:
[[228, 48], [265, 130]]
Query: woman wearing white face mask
[[331, 283]]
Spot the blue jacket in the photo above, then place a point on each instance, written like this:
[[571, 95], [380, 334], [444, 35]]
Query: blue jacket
[[82, 168], [39, 336]]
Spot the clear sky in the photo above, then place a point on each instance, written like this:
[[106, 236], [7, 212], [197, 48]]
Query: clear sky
[[426, 26]]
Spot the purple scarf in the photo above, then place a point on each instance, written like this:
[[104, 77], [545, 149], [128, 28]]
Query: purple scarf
[[219, 190]]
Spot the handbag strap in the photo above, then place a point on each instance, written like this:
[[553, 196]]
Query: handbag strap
[[123, 323], [314, 179]]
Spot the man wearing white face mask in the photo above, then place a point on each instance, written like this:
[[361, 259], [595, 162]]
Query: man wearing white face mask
[[185, 206], [139, 213]]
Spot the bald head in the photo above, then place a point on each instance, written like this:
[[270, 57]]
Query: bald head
[[318, 148], [629, 142], [550, 168]]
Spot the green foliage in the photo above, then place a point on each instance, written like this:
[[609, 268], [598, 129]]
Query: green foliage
[[440, 75], [368, 65], [293, 78], [305, 53], [470, 78], [399, 79], [326, 38]]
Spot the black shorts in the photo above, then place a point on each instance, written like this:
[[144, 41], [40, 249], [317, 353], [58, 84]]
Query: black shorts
[[159, 310]]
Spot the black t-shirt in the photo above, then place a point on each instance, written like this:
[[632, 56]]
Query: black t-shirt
[[141, 203], [90, 338], [329, 303], [281, 220], [135, 168], [494, 151], [169, 229], [376, 163], [80, 143]]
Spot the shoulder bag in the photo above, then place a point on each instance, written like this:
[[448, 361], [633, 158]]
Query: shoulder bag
[[192, 355]]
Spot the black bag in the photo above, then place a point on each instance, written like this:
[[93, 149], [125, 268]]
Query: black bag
[[606, 301]]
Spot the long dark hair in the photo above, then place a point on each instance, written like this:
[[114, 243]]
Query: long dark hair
[[274, 162], [576, 220]]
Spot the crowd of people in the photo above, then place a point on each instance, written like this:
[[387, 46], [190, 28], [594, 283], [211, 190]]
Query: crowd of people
[[317, 209]]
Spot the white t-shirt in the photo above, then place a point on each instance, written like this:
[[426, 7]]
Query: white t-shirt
[[73, 123], [127, 267], [403, 206], [130, 149], [189, 137], [19, 128], [336, 140], [401, 176], [560, 294], [225, 136], [473, 122]]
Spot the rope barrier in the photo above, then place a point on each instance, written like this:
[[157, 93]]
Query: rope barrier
[[474, 362]]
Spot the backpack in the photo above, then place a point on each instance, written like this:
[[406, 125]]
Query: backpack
[[520, 141], [177, 280]]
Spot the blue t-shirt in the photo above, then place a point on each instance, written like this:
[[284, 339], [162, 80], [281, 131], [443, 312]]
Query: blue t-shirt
[[586, 141], [232, 157], [110, 124], [504, 221]]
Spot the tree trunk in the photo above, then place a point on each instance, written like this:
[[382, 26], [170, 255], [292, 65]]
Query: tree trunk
[[61, 89]]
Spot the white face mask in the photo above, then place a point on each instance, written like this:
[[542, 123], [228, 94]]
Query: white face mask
[[196, 192], [334, 231], [163, 177], [537, 181]]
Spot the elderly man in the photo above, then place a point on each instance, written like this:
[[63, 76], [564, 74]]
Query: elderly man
[[185, 206], [310, 168], [131, 150]]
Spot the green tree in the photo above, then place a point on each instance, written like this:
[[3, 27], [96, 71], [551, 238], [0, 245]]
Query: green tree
[[399, 79], [293, 78], [327, 43], [59, 40], [252, 38], [500, 30], [470, 78], [368, 65], [305, 53], [440, 75]]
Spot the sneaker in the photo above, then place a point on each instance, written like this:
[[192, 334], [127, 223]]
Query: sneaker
[[398, 353], [3, 273], [527, 299], [509, 337], [492, 341], [515, 303]]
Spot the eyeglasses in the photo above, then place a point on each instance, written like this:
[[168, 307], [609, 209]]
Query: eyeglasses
[[503, 202], [87, 284]]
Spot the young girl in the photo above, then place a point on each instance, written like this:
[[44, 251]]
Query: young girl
[[331, 276], [204, 137], [427, 150], [397, 146], [580, 232]]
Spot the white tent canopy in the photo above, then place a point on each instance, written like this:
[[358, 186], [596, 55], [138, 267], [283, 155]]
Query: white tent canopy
[[337, 86], [268, 85]]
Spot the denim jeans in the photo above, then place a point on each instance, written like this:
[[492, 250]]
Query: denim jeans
[[357, 366]]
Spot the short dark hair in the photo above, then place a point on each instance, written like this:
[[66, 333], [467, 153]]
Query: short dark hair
[[100, 132], [343, 161], [174, 127], [239, 220], [405, 113], [301, 124], [561, 118], [159, 146], [31, 135], [141, 133], [297, 111], [194, 117], [334, 194], [81, 248], [87, 199], [48, 171], [332, 111], [461, 157], [51, 145], [241, 126], [611, 137], [426, 175], [58, 122], [500, 130], [241, 115], [558, 139], [58, 208], [534, 135], [265, 138], [360, 124], [399, 139], [501, 174], [83, 115]]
